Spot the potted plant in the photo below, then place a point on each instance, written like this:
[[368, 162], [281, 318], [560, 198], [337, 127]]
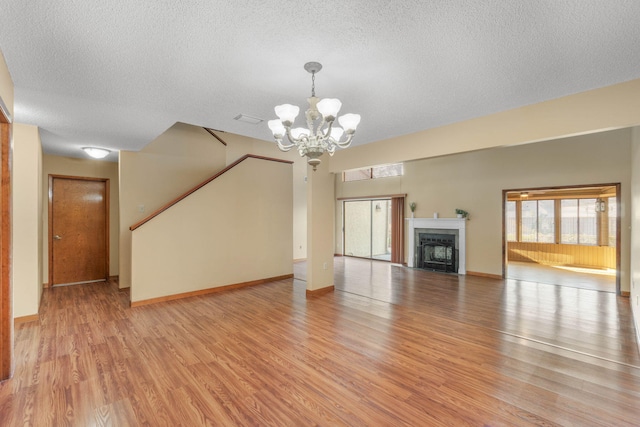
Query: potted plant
[[461, 213], [412, 206]]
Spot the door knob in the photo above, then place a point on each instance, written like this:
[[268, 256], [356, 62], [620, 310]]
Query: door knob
[[56, 237]]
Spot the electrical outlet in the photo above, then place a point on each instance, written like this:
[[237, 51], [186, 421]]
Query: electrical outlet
[[141, 208], [324, 266]]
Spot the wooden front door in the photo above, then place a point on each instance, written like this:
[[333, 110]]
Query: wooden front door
[[78, 230]]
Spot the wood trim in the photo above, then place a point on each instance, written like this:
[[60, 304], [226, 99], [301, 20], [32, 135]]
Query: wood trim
[[202, 184], [487, 275], [107, 207], [299, 260], [625, 294], [210, 131], [384, 196], [560, 188], [209, 291], [5, 114], [591, 256], [503, 209], [319, 292], [26, 319], [50, 230], [618, 237], [6, 306], [50, 218], [81, 178]]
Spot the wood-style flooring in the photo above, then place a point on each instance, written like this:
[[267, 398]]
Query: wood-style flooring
[[391, 346], [583, 278]]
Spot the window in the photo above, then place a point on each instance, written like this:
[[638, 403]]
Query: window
[[511, 222], [356, 175], [537, 221], [612, 207], [568, 221], [367, 228], [579, 222], [587, 223], [383, 171], [546, 221]]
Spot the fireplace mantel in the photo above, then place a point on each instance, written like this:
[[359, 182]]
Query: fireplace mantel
[[443, 224]]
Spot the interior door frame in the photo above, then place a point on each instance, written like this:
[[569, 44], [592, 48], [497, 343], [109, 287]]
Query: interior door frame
[[6, 297], [50, 226], [564, 187]]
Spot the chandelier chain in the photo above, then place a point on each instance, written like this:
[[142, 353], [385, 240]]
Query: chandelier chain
[[313, 84]]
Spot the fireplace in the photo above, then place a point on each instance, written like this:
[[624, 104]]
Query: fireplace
[[454, 229], [437, 252]]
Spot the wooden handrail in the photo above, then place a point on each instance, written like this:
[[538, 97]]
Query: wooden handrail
[[199, 186], [210, 131]]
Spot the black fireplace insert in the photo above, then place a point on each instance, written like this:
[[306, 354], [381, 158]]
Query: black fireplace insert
[[437, 252]]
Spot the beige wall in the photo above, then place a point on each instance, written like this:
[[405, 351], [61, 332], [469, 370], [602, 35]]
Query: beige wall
[[635, 229], [179, 159], [27, 220], [236, 229], [238, 146], [320, 230], [89, 168], [474, 182], [6, 85], [611, 107]]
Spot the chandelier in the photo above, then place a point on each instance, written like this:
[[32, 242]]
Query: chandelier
[[320, 135]]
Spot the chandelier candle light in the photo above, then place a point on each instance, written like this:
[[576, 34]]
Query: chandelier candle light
[[320, 135]]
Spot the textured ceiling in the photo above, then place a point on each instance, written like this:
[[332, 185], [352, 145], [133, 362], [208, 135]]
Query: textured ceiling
[[118, 73]]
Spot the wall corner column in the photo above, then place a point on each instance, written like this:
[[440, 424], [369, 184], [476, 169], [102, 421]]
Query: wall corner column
[[320, 228]]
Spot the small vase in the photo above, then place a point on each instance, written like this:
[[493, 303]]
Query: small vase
[[459, 216]]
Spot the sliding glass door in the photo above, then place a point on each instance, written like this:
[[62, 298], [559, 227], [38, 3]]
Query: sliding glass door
[[367, 229]]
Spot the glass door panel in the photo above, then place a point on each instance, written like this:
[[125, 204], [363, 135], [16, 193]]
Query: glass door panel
[[381, 229], [357, 228], [367, 229]]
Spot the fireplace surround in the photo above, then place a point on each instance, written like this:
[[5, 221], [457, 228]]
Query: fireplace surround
[[439, 227]]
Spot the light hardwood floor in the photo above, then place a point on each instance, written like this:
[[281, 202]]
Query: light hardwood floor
[[584, 278], [391, 346]]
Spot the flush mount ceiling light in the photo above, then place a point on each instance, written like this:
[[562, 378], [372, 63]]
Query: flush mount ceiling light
[[320, 135], [96, 153]]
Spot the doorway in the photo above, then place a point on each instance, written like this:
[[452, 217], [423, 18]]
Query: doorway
[[78, 230], [566, 236]]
